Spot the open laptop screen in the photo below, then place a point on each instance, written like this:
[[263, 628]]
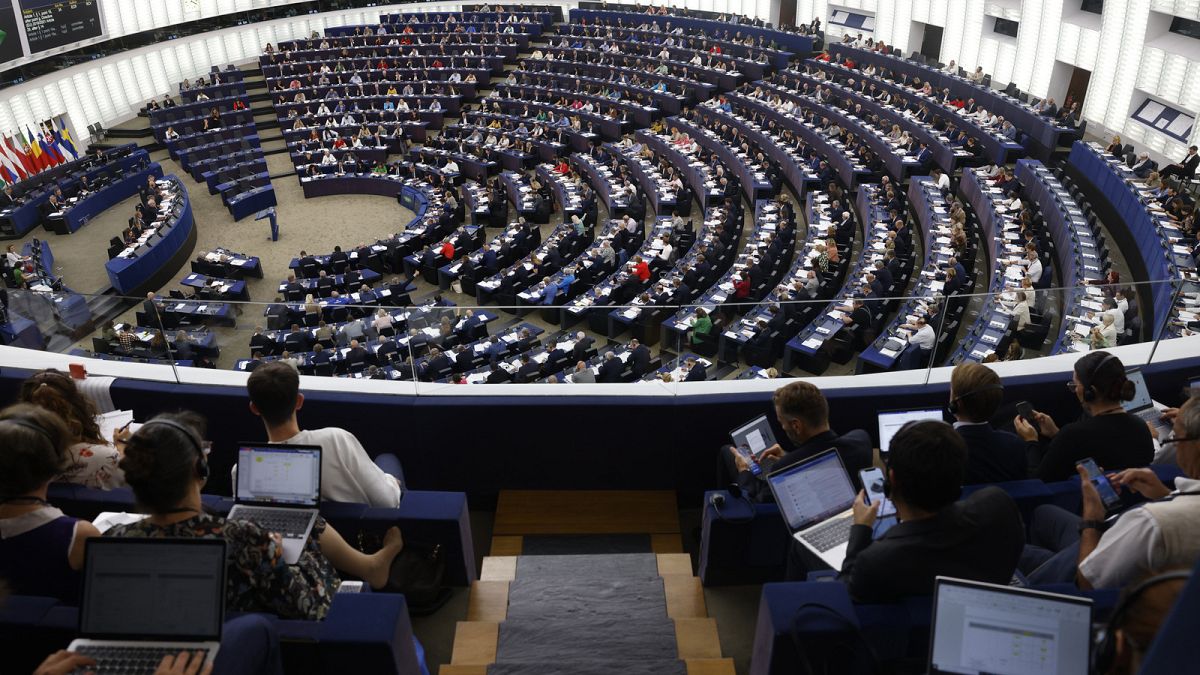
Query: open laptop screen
[[153, 589], [288, 475], [985, 628], [890, 422], [813, 490], [1141, 394], [754, 436]]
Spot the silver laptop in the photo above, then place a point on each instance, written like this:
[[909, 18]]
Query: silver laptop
[[133, 590], [816, 498], [754, 436], [279, 488], [987, 628], [1142, 404], [890, 422]]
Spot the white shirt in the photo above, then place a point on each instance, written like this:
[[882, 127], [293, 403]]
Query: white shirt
[[1021, 311], [1132, 546], [1035, 270], [943, 182], [1118, 319], [347, 473], [924, 338]]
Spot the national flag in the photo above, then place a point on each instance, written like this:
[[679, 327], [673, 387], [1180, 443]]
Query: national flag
[[21, 151], [48, 144], [13, 160], [64, 139], [35, 151], [9, 165], [52, 159]]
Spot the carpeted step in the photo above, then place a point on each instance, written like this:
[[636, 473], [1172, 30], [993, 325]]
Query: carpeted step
[[585, 599], [615, 638], [591, 667], [588, 567]]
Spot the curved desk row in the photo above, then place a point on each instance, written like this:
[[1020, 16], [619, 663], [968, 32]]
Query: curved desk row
[[1043, 131], [791, 165], [105, 198], [35, 191], [129, 274], [754, 182]]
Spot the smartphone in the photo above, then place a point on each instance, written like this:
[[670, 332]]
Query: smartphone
[[1108, 495], [1025, 410], [748, 455], [872, 482]]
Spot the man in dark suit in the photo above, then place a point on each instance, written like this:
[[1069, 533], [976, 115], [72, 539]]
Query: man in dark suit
[[1184, 169], [611, 369], [383, 353], [528, 371], [993, 456], [583, 343], [356, 357], [555, 359], [695, 371], [307, 261], [321, 355], [464, 359], [497, 375], [436, 364], [639, 358], [260, 342], [293, 290], [488, 261], [979, 538], [324, 285], [338, 256], [296, 340], [803, 413], [757, 275]]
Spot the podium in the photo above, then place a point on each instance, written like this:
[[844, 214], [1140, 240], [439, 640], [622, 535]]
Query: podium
[[270, 213]]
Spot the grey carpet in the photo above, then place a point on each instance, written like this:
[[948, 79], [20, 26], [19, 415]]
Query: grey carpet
[[568, 611], [674, 667]]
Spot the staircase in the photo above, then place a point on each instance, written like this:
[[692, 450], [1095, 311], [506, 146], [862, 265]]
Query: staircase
[[547, 604]]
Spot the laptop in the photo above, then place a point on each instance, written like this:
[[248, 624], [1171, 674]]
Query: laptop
[[753, 436], [1142, 406], [133, 589], [890, 422], [986, 628], [816, 498], [279, 488]]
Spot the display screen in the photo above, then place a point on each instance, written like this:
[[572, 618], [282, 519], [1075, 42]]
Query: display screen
[[54, 23], [10, 39]]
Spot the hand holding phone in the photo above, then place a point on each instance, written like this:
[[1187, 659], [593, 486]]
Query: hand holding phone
[[872, 482], [1108, 494], [1025, 410]]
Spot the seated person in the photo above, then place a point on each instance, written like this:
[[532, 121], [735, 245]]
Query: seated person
[[347, 472], [41, 550], [92, 460], [993, 456], [166, 466], [1114, 438], [1161, 533], [803, 413], [977, 538]]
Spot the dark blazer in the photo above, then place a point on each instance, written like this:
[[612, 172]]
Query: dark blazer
[[639, 360], [580, 350], [979, 538], [992, 456], [434, 366], [698, 373], [464, 360], [356, 356], [528, 372], [610, 370], [497, 376], [553, 362]]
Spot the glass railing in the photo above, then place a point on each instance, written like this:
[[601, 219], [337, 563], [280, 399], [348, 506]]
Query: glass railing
[[434, 344]]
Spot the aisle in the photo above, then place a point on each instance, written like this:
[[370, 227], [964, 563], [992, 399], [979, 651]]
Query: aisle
[[562, 602]]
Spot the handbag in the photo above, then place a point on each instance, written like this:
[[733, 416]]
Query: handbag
[[417, 573]]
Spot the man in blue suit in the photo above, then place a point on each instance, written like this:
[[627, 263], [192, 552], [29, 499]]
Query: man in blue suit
[[639, 358], [696, 372]]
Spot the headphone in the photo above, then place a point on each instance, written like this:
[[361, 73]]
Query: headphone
[[1105, 647], [193, 438], [953, 406], [1089, 390], [32, 426]]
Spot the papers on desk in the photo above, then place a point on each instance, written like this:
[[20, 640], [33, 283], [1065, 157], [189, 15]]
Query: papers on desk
[[835, 314], [110, 519], [110, 421], [813, 343]]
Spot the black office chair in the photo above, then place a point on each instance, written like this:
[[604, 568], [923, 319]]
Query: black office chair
[[323, 369]]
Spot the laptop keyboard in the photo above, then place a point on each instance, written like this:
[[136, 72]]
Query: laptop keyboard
[[120, 660], [286, 523], [830, 534]]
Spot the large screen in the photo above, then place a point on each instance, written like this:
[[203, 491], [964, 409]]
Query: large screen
[[54, 23], [10, 38]]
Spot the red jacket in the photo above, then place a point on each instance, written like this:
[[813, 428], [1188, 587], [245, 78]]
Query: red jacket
[[642, 270]]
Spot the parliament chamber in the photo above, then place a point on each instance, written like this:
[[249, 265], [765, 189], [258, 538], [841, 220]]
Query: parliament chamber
[[592, 337]]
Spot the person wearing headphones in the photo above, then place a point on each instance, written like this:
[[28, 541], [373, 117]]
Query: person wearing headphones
[[977, 538], [41, 550], [1159, 534], [1134, 624], [993, 456], [1107, 433], [166, 465]]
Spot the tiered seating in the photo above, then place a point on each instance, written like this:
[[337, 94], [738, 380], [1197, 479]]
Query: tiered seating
[[747, 165], [1173, 300], [788, 162], [583, 129], [561, 245], [588, 269], [615, 117], [665, 93], [466, 238], [517, 239], [522, 195], [892, 349], [510, 149], [603, 174], [715, 70], [219, 147], [570, 192], [692, 162], [827, 338]]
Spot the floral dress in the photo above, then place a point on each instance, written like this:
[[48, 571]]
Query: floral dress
[[258, 580], [94, 465]]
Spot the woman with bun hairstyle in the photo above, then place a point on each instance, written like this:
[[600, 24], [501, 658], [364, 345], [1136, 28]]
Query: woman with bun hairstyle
[[93, 460], [41, 550], [1106, 433], [166, 465]]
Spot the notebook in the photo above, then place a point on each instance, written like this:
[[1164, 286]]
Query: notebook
[[1006, 630], [816, 498], [279, 488], [133, 591]]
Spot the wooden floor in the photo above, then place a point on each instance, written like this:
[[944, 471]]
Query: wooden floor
[[520, 513]]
